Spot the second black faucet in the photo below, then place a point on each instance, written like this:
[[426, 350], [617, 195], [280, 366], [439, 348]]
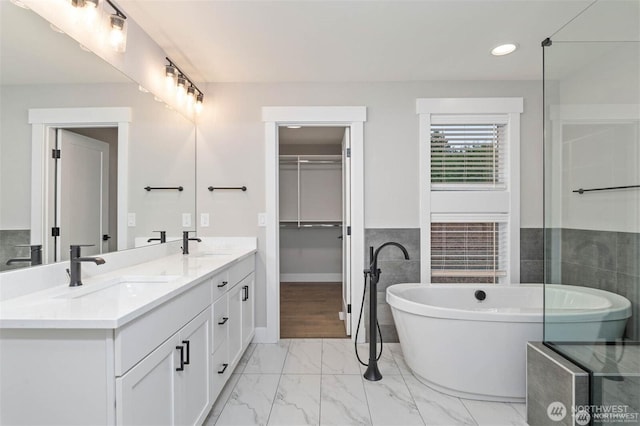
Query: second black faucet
[[185, 241]]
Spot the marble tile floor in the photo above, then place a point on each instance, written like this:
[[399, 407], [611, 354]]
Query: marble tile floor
[[319, 382]]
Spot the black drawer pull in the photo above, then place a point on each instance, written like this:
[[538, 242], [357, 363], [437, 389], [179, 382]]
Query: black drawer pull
[[223, 284], [181, 349], [224, 320], [186, 342], [224, 367], [245, 296]]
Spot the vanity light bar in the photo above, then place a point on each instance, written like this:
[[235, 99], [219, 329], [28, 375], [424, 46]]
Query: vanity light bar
[[184, 81], [118, 11]]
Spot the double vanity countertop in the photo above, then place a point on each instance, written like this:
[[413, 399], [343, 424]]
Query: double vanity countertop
[[113, 299]]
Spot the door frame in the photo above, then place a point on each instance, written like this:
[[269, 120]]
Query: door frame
[[42, 121], [274, 117]]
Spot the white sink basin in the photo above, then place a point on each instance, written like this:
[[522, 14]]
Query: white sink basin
[[125, 286]]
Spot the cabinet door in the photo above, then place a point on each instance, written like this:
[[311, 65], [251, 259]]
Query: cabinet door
[[194, 393], [235, 322], [146, 394], [248, 306]]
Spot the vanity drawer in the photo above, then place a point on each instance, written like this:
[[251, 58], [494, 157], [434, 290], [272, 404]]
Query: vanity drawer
[[220, 283], [241, 269], [137, 339], [220, 323], [219, 373]]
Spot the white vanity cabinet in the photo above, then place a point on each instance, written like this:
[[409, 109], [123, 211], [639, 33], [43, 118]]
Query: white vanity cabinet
[[171, 385], [164, 367], [233, 325]]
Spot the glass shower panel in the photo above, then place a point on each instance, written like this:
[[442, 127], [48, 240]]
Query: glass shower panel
[[592, 206]]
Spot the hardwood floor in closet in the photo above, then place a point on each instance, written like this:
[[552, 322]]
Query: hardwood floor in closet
[[311, 310]]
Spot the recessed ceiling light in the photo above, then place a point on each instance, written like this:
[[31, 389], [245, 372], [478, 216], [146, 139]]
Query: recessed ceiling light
[[294, 127], [504, 49]]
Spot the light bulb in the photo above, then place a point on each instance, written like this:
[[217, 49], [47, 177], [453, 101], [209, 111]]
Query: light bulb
[[181, 91], [199, 100], [191, 96], [117, 37], [91, 11], [170, 73]]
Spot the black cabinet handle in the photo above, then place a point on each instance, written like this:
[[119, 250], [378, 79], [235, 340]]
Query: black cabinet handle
[[224, 367], [186, 342], [181, 349], [245, 289], [224, 320], [223, 284]]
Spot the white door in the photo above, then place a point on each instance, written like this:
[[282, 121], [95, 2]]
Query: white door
[[346, 228], [82, 193]]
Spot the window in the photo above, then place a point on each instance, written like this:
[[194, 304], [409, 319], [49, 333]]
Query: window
[[468, 252], [469, 156], [470, 189]]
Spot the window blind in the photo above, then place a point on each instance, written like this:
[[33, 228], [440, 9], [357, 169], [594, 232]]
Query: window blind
[[468, 156], [474, 252]]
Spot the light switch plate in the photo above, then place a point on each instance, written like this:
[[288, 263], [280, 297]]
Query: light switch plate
[[131, 219], [262, 219], [186, 220], [204, 219]]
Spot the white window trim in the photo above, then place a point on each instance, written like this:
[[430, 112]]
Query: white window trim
[[506, 201]]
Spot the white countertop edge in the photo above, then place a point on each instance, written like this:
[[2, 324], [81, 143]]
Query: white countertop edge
[[110, 323]]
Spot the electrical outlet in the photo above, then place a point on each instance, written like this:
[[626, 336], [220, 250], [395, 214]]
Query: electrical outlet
[[131, 219], [262, 219], [186, 220], [204, 219]]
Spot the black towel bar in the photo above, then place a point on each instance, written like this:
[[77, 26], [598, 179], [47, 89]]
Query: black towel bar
[[242, 188], [149, 188], [610, 188]]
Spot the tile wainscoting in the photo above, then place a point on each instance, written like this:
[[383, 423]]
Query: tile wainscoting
[[9, 239]]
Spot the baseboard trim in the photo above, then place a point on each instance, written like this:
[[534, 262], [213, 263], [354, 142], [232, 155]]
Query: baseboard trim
[[310, 278], [261, 336]]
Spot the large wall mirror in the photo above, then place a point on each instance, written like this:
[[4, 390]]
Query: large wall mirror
[[116, 143]]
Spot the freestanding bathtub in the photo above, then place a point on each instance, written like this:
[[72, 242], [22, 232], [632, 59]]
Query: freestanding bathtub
[[477, 349]]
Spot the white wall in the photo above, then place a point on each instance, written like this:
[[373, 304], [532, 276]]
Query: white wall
[[594, 85], [231, 150], [162, 152]]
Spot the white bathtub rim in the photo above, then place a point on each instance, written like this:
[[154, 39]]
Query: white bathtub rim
[[620, 308]]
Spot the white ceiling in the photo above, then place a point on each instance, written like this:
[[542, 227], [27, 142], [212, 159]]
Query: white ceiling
[[357, 40]]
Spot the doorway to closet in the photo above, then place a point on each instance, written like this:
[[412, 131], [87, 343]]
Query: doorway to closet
[[313, 226]]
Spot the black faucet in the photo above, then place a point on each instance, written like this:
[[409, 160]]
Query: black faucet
[[34, 259], [162, 239], [373, 373], [185, 241], [75, 260]]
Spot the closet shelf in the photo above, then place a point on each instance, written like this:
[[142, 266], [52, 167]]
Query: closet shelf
[[311, 224]]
